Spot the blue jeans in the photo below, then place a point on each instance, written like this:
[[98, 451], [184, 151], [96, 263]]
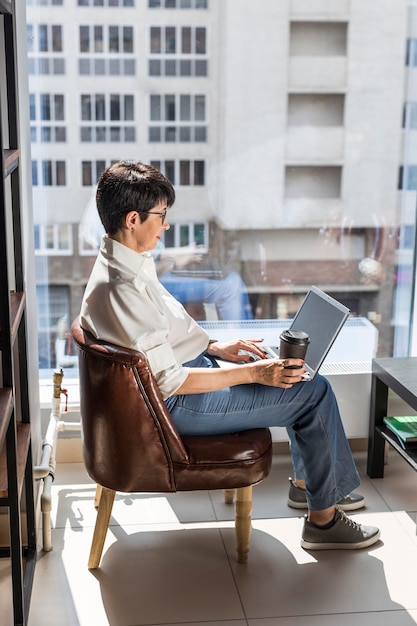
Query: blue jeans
[[308, 410], [228, 294]]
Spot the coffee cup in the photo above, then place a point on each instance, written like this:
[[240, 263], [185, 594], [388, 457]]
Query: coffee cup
[[293, 345]]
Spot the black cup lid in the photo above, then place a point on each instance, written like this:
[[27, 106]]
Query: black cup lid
[[295, 336]]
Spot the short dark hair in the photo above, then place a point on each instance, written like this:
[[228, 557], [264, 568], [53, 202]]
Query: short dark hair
[[130, 186]]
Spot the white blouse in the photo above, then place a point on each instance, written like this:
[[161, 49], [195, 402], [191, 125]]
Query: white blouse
[[125, 303]]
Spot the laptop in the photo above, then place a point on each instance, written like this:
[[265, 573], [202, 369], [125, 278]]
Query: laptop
[[322, 317]]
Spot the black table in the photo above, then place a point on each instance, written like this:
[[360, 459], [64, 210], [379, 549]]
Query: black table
[[400, 375]]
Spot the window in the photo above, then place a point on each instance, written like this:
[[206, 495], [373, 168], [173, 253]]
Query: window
[[184, 234], [47, 108], [408, 178], [410, 115], [53, 239], [183, 172], [178, 4], [106, 3], [91, 172], [177, 116], [42, 40], [48, 173], [107, 108], [177, 51], [53, 305], [411, 53], [281, 172], [98, 45]]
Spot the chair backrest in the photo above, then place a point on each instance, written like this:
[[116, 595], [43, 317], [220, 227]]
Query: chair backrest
[[129, 440]]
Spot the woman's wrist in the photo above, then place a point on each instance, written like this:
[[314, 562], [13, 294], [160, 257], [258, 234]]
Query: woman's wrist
[[209, 349]]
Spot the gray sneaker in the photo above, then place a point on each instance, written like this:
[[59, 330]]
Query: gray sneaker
[[297, 499], [345, 534]]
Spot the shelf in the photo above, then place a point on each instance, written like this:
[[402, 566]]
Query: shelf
[[410, 455], [10, 157], [6, 407], [22, 447]]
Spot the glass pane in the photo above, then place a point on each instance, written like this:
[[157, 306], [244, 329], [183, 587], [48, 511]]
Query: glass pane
[[199, 234], [185, 68], [169, 108], [200, 40], [199, 178], [45, 107], [184, 235], [184, 172], [155, 40], [86, 107], [170, 68], [98, 39], [200, 108], [100, 107], [127, 39], [185, 108], [59, 107], [87, 174], [154, 67], [169, 171], [63, 237], [129, 109], [114, 107], [113, 39], [156, 108], [57, 38], [170, 42], [43, 37], [60, 173], [186, 40], [84, 38]]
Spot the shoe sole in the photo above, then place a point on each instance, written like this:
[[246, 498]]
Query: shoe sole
[[353, 506], [309, 545]]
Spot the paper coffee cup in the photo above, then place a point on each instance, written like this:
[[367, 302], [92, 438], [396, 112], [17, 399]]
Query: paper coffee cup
[[293, 345]]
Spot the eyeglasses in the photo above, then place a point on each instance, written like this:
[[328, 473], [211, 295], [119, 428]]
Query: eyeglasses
[[162, 214]]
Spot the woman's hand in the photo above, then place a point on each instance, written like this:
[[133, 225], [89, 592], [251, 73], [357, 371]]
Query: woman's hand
[[277, 372], [238, 350], [264, 371]]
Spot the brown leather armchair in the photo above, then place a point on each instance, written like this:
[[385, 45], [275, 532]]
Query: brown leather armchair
[[130, 442]]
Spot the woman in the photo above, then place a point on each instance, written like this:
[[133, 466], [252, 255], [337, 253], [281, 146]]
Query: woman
[[124, 303]]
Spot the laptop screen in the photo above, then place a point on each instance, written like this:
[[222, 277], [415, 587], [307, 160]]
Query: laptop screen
[[322, 317]]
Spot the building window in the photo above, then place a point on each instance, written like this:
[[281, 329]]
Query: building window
[[42, 40], [185, 234], [53, 305], [410, 115], [53, 239], [91, 172], [185, 172], [411, 53], [108, 108], [46, 109], [178, 4], [174, 118], [106, 3], [48, 173], [408, 178], [99, 44], [178, 51]]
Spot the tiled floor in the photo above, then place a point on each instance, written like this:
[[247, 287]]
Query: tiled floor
[[169, 559]]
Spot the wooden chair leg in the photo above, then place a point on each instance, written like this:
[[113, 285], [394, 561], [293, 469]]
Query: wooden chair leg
[[229, 496], [97, 497], [243, 523], [102, 524]]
